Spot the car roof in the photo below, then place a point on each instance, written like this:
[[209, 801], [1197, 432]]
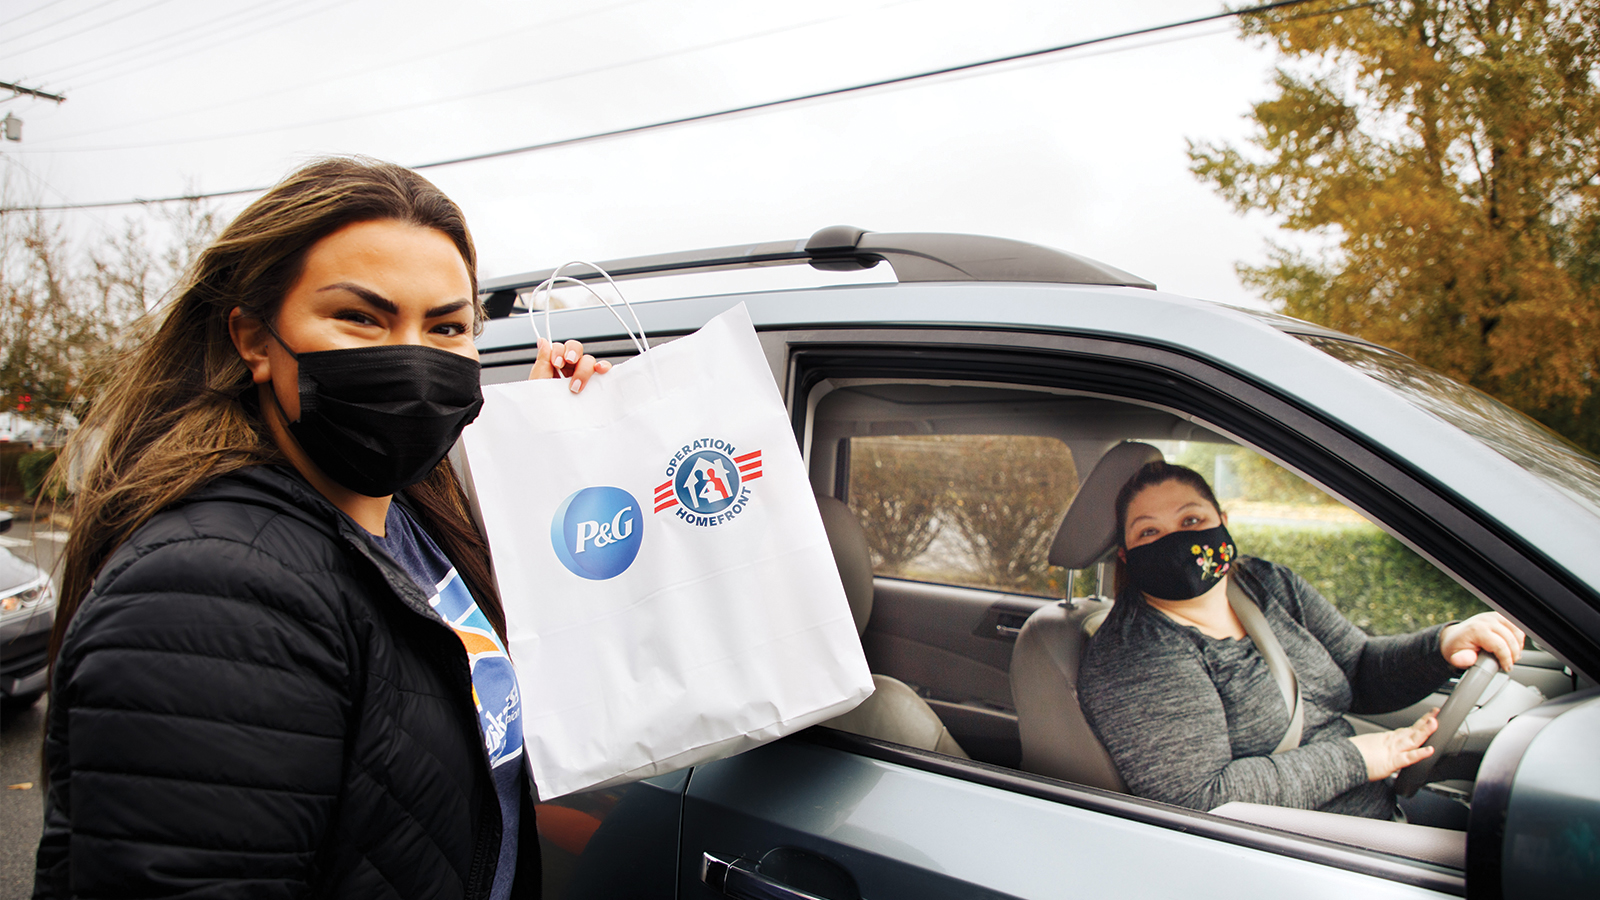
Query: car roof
[[916, 257]]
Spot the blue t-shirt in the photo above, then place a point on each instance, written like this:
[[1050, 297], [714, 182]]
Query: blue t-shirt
[[494, 684]]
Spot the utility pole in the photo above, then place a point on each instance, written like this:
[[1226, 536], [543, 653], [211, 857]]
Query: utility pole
[[11, 126]]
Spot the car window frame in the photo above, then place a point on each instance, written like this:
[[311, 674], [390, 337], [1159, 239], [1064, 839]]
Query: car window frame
[[1424, 514]]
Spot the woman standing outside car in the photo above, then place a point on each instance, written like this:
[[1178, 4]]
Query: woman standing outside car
[[1186, 705], [279, 665]]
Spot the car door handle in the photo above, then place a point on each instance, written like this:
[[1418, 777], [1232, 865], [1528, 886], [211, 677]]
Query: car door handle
[[739, 878]]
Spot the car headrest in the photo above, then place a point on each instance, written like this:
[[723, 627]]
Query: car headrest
[[1089, 529], [851, 555]]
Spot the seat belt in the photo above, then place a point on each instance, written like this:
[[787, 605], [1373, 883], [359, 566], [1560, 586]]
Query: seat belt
[[1282, 671]]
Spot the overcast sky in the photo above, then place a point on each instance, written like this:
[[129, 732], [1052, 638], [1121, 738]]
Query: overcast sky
[[1082, 150]]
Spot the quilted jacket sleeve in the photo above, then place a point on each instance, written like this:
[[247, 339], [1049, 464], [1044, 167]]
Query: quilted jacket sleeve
[[197, 725]]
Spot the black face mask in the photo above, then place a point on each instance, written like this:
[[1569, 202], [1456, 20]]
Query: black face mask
[[377, 419], [1182, 565]]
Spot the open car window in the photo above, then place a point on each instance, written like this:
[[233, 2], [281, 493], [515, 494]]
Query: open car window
[[979, 505], [961, 489], [1378, 583]]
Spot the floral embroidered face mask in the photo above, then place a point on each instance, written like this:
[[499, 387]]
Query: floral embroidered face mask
[[1182, 565]]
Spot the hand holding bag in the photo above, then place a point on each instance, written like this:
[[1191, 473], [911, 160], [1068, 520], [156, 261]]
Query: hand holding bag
[[670, 594]]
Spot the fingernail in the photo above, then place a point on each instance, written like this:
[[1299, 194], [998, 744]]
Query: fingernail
[[572, 356], [576, 385]]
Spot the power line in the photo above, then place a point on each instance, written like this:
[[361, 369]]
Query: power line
[[754, 107], [499, 36], [35, 10], [89, 28], [204, 42], [468, 95], [158, 46], [68, 18], [324, 81], [10, 160]]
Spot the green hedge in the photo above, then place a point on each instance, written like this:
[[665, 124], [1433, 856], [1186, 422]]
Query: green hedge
[[34, 468], [1376, 581]]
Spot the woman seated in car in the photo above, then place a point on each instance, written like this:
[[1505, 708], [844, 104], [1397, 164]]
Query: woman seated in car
[[1187, 707]]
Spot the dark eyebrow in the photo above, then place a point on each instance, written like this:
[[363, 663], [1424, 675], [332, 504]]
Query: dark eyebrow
[[447, 308], [1179, 509], [373, 298], [376, 299]]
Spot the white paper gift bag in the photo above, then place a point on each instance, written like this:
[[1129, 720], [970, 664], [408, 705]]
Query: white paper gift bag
[[670, 593]]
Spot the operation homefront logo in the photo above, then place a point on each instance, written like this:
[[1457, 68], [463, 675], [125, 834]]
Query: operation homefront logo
[[708, 481]]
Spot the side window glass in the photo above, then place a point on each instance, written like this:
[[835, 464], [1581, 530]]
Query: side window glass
[[971, 510], [1378, 583]]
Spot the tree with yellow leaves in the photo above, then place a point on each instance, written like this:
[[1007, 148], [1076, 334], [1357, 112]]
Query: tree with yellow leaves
[[1448, 153]]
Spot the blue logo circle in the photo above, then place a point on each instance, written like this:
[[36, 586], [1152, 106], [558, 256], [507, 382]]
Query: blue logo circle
[[707, 482], [597, 532]]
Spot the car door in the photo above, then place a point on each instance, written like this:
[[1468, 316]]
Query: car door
[[834, 815]]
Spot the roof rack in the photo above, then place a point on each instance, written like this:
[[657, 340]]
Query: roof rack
[[916, 257]]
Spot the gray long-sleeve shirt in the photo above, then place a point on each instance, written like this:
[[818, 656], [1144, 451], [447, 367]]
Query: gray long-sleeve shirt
[[1193, 720]]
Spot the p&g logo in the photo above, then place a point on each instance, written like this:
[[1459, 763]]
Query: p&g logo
[[597, 531]]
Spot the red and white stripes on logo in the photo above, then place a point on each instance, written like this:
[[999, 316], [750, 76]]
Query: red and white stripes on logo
[[664, 497], [749, 465]]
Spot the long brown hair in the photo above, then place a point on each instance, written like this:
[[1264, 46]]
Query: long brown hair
[[181, 408]]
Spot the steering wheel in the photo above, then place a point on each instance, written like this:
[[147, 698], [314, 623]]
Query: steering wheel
[[1462, 700]]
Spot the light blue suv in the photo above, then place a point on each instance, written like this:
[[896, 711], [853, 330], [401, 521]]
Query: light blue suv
[[962, 426]]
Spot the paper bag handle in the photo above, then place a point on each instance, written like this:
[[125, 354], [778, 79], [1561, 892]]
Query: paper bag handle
[[641, 342]]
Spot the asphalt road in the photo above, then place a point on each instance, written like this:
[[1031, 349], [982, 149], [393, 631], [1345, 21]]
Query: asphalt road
[[22, 808]]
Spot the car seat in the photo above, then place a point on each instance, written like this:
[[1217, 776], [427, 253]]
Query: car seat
[[1056, 739], [894, 712]]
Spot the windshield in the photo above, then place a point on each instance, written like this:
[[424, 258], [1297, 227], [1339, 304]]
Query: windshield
[[1510, 433]]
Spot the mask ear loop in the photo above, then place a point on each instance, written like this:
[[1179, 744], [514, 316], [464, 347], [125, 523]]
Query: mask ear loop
[[636, 333]]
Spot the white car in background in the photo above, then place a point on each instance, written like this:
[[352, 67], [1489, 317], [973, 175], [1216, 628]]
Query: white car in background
[[27, 613]]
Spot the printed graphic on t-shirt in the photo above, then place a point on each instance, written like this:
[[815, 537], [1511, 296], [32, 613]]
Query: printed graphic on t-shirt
[[494, 684]]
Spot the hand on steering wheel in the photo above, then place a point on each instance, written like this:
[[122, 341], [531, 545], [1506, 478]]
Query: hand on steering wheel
[[1468, 690]]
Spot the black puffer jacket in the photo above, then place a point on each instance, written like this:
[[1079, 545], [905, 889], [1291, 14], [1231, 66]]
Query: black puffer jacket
[[254, 701]]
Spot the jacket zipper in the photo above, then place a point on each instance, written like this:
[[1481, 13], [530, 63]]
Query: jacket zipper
[[486, 853]]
